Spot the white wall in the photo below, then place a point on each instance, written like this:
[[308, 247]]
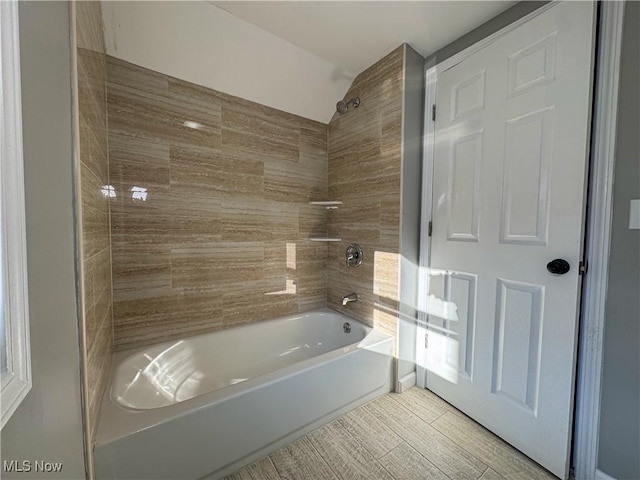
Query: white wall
[[47, 426], [203, 44]]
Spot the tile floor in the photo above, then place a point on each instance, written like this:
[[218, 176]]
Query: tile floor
[[411, 436]]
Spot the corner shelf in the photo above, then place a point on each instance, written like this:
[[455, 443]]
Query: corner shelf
[[325, 239], [329, 204]]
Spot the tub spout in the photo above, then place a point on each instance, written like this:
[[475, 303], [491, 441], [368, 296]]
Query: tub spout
[[352, 297]]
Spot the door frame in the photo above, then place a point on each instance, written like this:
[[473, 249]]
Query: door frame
[[598, 242], [598, 223]]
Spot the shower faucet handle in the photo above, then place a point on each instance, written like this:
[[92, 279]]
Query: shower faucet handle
[[354, 255]]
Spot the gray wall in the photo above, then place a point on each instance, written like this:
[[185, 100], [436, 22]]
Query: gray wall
[[619, 448], [48, 424], [410, 214], [507, 17]]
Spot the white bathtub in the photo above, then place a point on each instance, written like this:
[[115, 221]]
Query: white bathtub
[[206, 405]]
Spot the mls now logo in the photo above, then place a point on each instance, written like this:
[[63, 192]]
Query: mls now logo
[[29, 466]]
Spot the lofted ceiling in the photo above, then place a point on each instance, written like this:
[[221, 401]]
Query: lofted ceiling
[[355, 34], [295, 56]]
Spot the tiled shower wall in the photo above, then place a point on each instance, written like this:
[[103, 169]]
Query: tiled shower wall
[[365, 165], [210, 217], [94, 206]]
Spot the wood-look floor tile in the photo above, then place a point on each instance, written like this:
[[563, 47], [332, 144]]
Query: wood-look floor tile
[[300, 461], [445, 454], [263, 469], [346, 457], [493, 451], [491, 475], [369, 431], [422, 403], [531, 475], [405, 463]]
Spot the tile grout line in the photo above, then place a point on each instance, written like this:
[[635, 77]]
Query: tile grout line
[[485, 471], [436, 427], [402, 437], [275, 467], [426, 423], [376, 460], [407, 442], [429, 461], [321, 457]]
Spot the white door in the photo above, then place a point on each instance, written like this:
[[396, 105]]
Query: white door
[[510, 158]]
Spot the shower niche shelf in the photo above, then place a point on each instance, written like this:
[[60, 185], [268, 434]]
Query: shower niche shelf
[[329, 204], [325, 239]]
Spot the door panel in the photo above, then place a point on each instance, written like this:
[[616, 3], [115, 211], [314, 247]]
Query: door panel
[[525, 200], [511, 145], [463, 195], [518, 332]]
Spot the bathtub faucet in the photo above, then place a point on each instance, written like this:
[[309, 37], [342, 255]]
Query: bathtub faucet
[[352, 297]]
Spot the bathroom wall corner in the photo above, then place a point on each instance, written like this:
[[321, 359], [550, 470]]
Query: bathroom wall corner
[[365, 162], [411, 187]]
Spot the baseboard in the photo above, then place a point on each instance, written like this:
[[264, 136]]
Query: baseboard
[[600, 475], [406, 382]]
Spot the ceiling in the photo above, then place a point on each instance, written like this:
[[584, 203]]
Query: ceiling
[[354, 35], [296, 56]]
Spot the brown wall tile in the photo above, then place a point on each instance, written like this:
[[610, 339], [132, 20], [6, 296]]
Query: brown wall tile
[[222, 236], [94, 206], [365, 155]]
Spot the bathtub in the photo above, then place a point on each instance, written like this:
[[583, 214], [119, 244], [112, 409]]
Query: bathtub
[[207, 405]]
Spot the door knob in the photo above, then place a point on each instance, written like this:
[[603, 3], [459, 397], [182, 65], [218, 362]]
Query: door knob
[[558, 266]]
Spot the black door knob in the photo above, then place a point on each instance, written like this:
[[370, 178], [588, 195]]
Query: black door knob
[[558, 266]]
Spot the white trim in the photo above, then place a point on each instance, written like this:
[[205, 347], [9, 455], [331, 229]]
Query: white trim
[[600, 475], [589, 387], [16, 381], [426, 209], [431, 79], [485, 42], [406, 382]]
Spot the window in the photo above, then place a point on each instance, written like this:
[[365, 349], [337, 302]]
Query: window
[[15, 368]]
